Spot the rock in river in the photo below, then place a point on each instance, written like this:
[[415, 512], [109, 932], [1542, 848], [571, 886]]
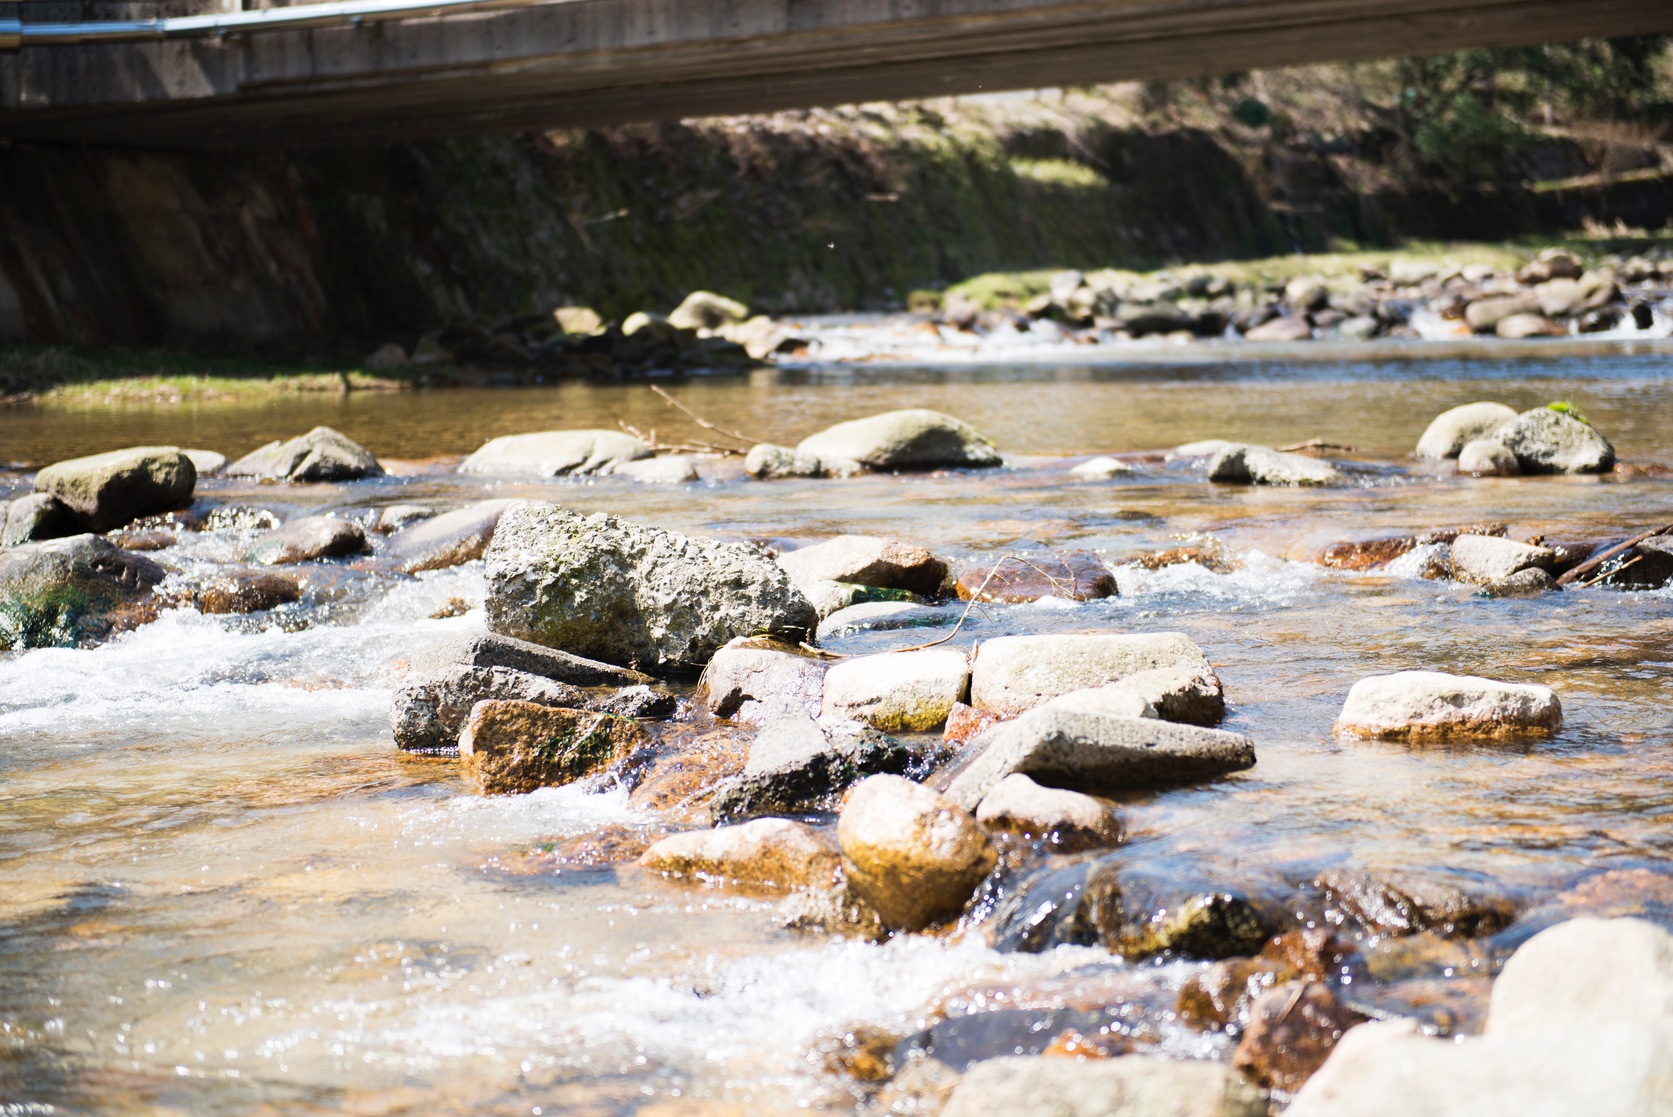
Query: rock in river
[[609, 589], [1070, 575], [1291, 1031], [307, 540], [246, 591], [1065, 820], [320, 455], [556, 453], [911, 439], [867, 560], [754, 682], [1486, 559], [446, 540], [705, 310], [1405, 903], [1098, 753], [1547, 441], [1483, 457], [898, 692], [1450, 431], [36, 518], [106, 491], [509, 746], [68, 592], [765, 461], [1420, 704], [1258, 465], [773, 853], [798, 764], [1013, 674], [1132, 1086], [913, 855]]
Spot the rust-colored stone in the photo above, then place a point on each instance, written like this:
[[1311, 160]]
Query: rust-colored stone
[[1290, 1033], [1073, 575], [247, 592], [509, 746], [965, 722], [1219, 995], [1210, 558]]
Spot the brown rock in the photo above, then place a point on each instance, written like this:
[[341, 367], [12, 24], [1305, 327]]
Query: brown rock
[[446, 540], [1366, 554], [1213, 559], [863, 1053], [770, 853], [599, 849], [1290, 1033], [913, 854], [965, 722], [1073, 575], [1400, 903], [1220, 994], [308, 539], [145, 540], [251, 591], [509, 746], [683, 781]]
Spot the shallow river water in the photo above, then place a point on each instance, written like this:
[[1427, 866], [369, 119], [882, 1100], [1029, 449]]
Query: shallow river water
[[222, 890]]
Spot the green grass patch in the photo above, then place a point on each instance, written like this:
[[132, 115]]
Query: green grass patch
[[55, 374]]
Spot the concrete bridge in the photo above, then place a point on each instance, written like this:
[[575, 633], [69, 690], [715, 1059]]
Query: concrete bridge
[[369, 70]]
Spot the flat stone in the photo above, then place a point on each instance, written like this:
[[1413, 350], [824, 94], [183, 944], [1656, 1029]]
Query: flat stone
[[1070, 575], [1013, 674], [1098, 753], [1131, 1086], [1102, 469], [912, 854], [867, 560], [1066, 820], [1258, 465], [509, 747], [1483, 457], [1520, 327], [1420, 704], [910, 439], [1524, 583], [1547, 441], [753, 682], [671, 469], [320, 455], [1449, 432], [307, 540], [899, 692], [206, 462], [446, 540], [1181, 694], [796, 764], [769, 853], [1286, 328], [490, 649], [106, 491], [556, 453], [1481, 559]]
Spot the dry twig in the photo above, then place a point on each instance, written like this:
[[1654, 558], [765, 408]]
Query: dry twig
[[649, 439], [1592, 564], [700, 421]]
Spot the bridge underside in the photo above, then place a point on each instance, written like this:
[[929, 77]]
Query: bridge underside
[[597, 62]]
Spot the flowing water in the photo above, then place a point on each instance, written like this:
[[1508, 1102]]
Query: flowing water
[[222, 890]]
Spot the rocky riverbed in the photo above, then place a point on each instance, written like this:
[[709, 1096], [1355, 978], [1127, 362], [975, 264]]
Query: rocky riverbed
[[1188, 745]]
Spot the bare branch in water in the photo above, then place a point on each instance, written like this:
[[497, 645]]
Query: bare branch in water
[[1592, 564], [649, 439], [1314, 444], [700, 421]]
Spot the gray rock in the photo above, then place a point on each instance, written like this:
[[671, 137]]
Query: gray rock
[[609, 589], [68, 592], [898, 692], [320, 455], [1432, 704], [36, 518], [642, 702], [1288, 328], [1547, 441], [1131, 1086], [106, 491], [797, 764], [753, 682], [556, 453], [1103, 469], [1013, 674], [206, 462], [489, 649], [1096, 753], [395, 517], [1306, 292], [1519, 327], [307, 540], [1258, 465], [867, 560], [1483, 457], [884, 616], [673, 469], [1484, 315], [1482, 559], [1360, 327], [1067, 820], [765, 461], [910, 853], [1185, 694], [446, 540], [911, 439], [1449, 431], [705, 310], [1523, 583]]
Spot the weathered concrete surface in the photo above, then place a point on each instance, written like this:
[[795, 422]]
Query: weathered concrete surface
[[545, 65]]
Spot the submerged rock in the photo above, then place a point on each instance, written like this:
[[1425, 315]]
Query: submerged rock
[[508, 746], [1418, 704], [308, 540], [246, 591], [612, 590], [867, 560], [912, 854], [885, 616], [754, 682], [898, 692], [36, 518], [1258, 465], [106, 491], [771, 853], [1291, 1031], [798, 764], [69, 592], [910, 439], [320, 455], [670, 469], [556, 453], [1065, 820], [1071, 575], [1134, 1086], [1547, 441], [1450, 431], [446, 540], [1403, 903], [1013, 674]]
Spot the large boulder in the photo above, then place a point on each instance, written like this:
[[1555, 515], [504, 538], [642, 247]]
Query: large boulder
[[754, 682], [36, 518], [867, 560], [1580, 1021], [106, 491], [1547, 441], [1420, 704], [509, 746], [69, 592], [1486, 559], [556, 453], [1013, 674], [798, 764], [1449, 432], [308, 540], [609, 589], [911, 439], [767, 853], [1093, 752], [320, 455], [898, 692], [446, 540], [1259, 465], [1132, 1086], [913, 855]]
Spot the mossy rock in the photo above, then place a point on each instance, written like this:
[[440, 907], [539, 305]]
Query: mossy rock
[[69, 592]]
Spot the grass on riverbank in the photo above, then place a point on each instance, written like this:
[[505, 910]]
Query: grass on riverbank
[[68, 376]]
